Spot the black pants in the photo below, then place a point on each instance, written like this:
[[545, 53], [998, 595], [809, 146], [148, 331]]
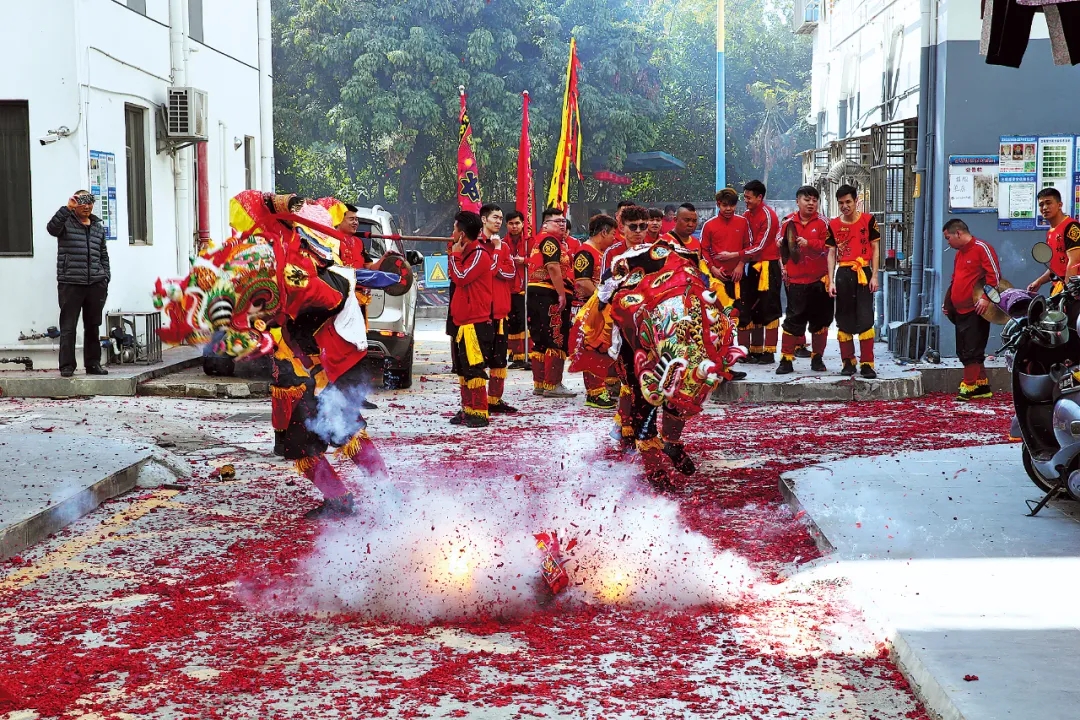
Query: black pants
[[549, 327], [809, 308], [763, 307], [90, 301], [972, 334], [854, 301], [475, 368], [500, 343], [515, 322]]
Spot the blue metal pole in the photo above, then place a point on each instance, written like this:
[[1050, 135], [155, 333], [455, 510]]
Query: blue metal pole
[[721, 161]]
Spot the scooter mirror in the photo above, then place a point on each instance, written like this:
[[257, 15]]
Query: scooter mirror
[[1042, 253], [992, 294]]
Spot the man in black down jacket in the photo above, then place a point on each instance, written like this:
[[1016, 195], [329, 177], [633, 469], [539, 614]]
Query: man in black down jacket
[[82, 277]]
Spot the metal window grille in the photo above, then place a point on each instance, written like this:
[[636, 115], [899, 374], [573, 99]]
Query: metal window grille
[[16, 231], [892, 183]]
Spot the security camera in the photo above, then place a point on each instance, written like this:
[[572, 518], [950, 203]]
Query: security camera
[[48, 139]]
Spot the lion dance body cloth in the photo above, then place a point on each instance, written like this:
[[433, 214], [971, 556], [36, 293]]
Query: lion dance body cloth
[[287, 285], [668, 325]]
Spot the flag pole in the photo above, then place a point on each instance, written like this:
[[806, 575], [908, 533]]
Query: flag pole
[[721, 168]]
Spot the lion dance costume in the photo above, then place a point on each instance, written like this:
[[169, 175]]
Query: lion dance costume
[[668, 325], [287, 285]]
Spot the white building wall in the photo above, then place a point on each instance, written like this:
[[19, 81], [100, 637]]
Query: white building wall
[[78, 63], [852, 46]]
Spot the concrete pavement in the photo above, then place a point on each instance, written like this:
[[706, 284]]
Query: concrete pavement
[[122, 380], [936, 549]]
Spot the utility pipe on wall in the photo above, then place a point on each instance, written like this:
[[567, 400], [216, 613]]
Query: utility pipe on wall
[[181, 159], [266, 100], [924, 157], [224, 175], [202, 175]]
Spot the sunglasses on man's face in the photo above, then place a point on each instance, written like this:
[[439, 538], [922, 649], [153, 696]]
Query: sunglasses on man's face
[[637, 227]]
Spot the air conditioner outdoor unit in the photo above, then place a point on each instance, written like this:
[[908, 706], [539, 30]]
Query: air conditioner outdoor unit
[[186, 115]]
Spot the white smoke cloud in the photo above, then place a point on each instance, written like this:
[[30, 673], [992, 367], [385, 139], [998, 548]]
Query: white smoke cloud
[[436, 548], [338, 411]]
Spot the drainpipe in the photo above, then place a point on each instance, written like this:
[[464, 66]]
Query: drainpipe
[[224, 140], [266, 100], [924, 211], [202, 173], [181, 158]]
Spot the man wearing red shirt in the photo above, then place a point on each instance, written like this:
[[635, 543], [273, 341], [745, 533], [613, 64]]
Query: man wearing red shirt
[[764, 276], [683, 230], [804, 234], [586, 281], [502, 282], [517, 239], [1063, 237], [976, 265], [551, 286], [620, 245], [669, 219], [656, 221], [853, 271], [470, 263], [725, 240]]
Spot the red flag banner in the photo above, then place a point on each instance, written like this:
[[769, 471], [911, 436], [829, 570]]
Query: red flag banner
[[468, 173], [569, 149], [526, 192]]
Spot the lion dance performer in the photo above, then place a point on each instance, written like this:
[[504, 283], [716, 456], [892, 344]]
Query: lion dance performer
[[660, 315], [286, 285]]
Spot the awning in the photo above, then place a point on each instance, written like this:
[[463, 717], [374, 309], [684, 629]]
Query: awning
[[656, 160]]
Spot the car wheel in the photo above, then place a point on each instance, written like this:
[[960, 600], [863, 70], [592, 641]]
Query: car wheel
[[398, 374]]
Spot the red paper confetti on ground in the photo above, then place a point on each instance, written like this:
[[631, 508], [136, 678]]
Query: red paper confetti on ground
[[137, 608]]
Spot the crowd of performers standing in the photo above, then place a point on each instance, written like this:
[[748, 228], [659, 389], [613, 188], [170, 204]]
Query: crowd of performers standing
[[501, 286], [514, 297]]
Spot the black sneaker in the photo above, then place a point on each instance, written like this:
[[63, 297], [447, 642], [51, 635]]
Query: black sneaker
[[516, 365], [682, 462], [96, 370], [475, 421], [817, 364], [603, 401], [737, 375], [458, 418], [368, 405], [785, 367], [849, 368], [750, 359], [501, 408], [867, 371], [766, 358], [333, 507], [803, 352], [67, 372]]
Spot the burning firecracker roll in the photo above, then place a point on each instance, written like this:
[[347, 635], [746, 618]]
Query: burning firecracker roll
[[551, 565]]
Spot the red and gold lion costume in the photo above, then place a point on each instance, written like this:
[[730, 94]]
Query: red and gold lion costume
[[667, 324]]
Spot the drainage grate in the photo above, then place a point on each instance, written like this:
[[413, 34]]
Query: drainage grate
[[249, 417]]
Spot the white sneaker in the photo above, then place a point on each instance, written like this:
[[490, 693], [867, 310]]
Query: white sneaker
[[560, 391]]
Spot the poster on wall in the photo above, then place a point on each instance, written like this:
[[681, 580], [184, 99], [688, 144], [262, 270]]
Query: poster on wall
[[1017, 178], [1056, 171], [973, 183], [103, 187]]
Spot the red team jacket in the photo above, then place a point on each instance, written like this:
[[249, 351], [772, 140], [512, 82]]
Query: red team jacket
[[976, 265], [720, 235], [813, 263], [765, 231], [470, 270], [502, 281]]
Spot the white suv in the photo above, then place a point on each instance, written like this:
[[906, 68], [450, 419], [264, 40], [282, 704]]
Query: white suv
[[391, 320]]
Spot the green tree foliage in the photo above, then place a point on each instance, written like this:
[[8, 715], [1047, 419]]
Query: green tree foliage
[[366, 97], [367, 92], [763, 61]]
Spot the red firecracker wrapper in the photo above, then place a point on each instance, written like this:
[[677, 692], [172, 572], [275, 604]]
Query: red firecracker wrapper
[[551, 564]]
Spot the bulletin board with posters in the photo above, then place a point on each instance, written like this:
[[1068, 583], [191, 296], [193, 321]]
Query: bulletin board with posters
[[1017, 178], [973, 183], [1029, 164], [103, 188]]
